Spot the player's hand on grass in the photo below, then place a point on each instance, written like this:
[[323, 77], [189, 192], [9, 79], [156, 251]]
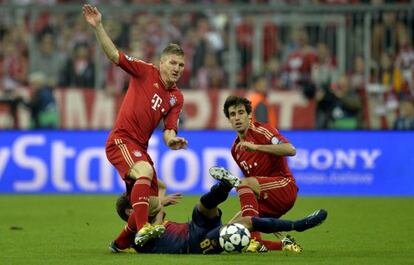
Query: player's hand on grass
[[177, 143], [171, 199], [92, 15]]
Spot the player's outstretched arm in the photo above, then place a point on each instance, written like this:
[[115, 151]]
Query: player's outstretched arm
[[170, 199], [94, 19]]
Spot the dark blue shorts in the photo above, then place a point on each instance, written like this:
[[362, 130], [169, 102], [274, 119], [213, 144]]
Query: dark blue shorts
[[202, 230]]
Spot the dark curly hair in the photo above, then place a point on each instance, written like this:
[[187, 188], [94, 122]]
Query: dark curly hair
[[236, 101]]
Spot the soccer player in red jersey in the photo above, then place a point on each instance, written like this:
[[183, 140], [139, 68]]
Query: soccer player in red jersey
[[152, 95], [269, 188]]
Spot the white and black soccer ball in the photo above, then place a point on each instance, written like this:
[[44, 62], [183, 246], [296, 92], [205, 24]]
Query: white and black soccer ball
[[234, 237]]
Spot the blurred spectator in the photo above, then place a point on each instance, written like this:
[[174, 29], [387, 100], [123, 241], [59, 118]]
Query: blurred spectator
[[79, 70], [405, 63], [116, 80], [324, 69], [10, 97], [136, 43], [173, 32], [338, 106], [210, 75], [78, 31], [384, 35], [42, 105], [325, 101], [205, 37], [347, 106], [405, 120], [339, 2], [357, 81], [244, 39], [270, 41], [15, 62], [13, 68], [118, 30], [298, 65], [200, 45], [187, 44], [357, 75], [261, 110], [46, 59], [387, 74], [273, 73], [154, 36], [207, 40]]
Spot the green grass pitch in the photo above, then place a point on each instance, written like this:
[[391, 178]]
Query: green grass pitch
[[69, 229]]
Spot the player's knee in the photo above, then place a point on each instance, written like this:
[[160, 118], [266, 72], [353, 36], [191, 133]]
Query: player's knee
[[244, 182], [251, 183], [141, 169]]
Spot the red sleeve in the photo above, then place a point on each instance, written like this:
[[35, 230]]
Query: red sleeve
[[172, 117], [132, 65], [276, 138]]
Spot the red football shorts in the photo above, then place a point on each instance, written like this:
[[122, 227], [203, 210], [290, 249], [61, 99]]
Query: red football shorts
[[277, 195], [123, 155]]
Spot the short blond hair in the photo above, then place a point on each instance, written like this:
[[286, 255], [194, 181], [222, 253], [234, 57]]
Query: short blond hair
[[173, 48]]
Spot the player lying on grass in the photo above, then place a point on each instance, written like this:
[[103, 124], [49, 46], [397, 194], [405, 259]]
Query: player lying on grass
[[201, 233]]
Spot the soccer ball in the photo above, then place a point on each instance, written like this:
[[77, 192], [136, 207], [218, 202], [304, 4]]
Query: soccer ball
[[234, 237]]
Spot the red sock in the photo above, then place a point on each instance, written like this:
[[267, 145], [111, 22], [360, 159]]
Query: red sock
[[256, 235], [249, 205], [248, 201], [140, 201], [126, 238], [272, 245]]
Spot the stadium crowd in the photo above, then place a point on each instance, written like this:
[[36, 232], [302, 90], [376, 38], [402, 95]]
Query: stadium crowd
[[291, 2], [295, 57]]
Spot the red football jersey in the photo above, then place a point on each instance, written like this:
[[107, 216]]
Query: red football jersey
[[260, 163], [146, 102]]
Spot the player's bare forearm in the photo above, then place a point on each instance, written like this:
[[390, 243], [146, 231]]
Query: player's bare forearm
[[174, 142], [167, 200], [171, 199], [161, 185], [168, 135], [94, 18], [285, 149], [106, 43], [159, 218], [162, 188]]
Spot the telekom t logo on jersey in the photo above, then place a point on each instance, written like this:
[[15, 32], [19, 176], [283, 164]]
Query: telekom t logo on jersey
[[245, 166], [156, 102]]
